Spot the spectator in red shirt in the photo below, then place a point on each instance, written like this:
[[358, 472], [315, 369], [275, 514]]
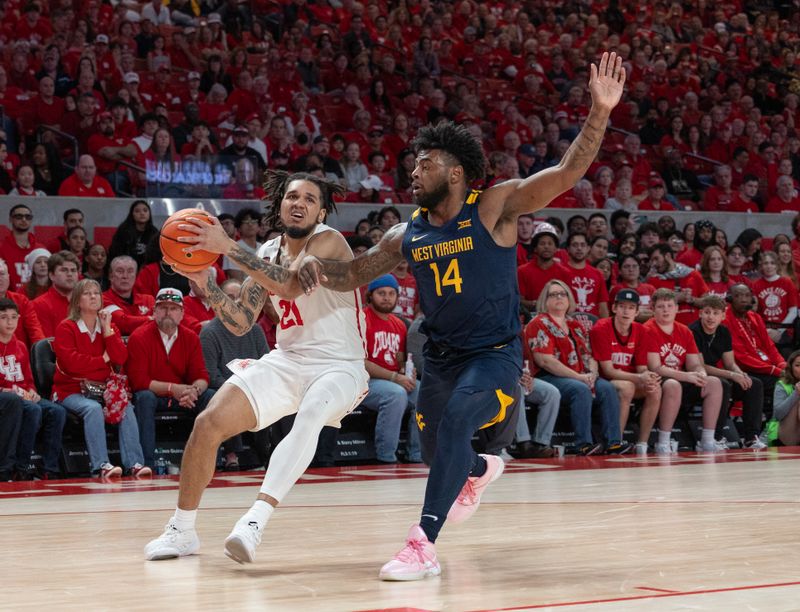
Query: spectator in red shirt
[[561, 351], [16, 377], [776, 297], [686, 282], [52, 307], [720, 197], [46, 108], [633, 153], [85, 183], [586, 282], [166, 367], [108, 148], [30, 330], [656, 196], [88, 347], [129, 309], [243, 186], [534, 275], [629, 278], [197, 312], [391, 388], [744, 200], [786, 197], [618, 346], [407, 296], [672, 353], [18, 244], [714, 272], [753, 349]]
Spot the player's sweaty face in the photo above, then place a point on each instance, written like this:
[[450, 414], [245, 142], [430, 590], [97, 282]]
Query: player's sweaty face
[[300, 208]]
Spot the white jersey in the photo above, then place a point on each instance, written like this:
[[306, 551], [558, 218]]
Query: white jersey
[[326, 325]]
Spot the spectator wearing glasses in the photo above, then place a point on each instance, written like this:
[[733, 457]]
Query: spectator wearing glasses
[[18, 244]]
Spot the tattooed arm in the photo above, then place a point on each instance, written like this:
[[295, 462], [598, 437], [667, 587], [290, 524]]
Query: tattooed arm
[[240, 315], [347, 275], [502, 204]]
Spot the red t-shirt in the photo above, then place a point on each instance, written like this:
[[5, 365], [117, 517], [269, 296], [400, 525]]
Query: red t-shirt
[[73, 187], [720, 288], [14, 256], [588, 288], [127, 315], [625, 353], [385, 339], [407, 296], [29, 330], [532, 278], [686, 312], [775, 298], [544, 336], [15, 366], [776, 205], [671, 348], [690, 257]]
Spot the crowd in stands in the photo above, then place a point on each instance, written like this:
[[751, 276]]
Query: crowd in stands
[[197, 98]]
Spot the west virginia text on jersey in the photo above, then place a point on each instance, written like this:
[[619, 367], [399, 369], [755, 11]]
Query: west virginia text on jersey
[[467, 283]]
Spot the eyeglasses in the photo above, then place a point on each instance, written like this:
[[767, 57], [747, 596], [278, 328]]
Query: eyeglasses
[[557, 294], [27, 217]]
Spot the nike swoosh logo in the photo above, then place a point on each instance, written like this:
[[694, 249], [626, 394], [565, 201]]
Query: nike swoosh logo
[[435, 518], [415, 238]]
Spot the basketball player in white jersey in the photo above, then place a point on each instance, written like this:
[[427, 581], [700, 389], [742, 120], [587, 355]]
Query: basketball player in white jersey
[[316, 371]]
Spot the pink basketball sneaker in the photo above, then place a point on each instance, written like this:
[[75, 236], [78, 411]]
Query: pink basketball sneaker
[[469, 499], [416, 561]]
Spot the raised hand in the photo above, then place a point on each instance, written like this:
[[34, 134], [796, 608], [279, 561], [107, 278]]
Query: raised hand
[[207, 236], [607, 81]]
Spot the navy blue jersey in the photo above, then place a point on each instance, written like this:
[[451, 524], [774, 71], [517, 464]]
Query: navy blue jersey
[[467, 283]]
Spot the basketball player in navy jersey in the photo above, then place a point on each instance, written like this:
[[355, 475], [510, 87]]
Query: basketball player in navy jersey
[[461, 245]]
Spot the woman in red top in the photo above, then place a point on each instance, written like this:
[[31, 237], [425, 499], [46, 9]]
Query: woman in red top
[[776, 296], [561, 351], [629, 275], [786, 262], [88, 347], [714, 272]]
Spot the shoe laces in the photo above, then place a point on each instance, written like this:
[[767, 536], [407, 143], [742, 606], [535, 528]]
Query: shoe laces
[[171, 532], [467, 496], [414, 550]]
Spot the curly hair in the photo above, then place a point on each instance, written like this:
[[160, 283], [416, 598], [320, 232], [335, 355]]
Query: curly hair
[[458, 143], [276, 182]]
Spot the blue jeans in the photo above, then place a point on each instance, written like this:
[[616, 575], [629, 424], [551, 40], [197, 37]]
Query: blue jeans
[[94, 431], [390, 400], [147, 403], [33, 414], [580, 400], [10, 422], [547, 400]]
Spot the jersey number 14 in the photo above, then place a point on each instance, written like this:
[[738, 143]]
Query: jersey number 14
[[452, 277]]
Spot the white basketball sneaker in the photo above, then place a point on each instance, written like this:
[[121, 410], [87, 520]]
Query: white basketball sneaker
[[172, 543], [241, 544]]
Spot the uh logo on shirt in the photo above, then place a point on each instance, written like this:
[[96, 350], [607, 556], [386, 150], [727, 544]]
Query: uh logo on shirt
[[10, 369], [672, 354]]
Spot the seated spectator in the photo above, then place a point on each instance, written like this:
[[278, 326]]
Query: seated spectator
[[29, 331], [407, 295], [776, 298], [534, 275], [561, 352], [25, 180], [88, 347], [525, 248], [716, 346], [391, 389], [623, 197], [18, 244], [39, 282], [745, 196], [618, 346], [656, 196], [247, 223], [47, 168], [94, 265], [686, 282], [16, 377], [77, 244], [629, 278], [721, 196], [786, 402], [239, 148], [354, 170], [547, 399], [786, 197], [85, 183], [52, 307], [713, 271], [220, 347], [108, 148], [587, 284], [10, 422], [702, 239], [197, 312], [73, 217], [134, 233], [672, 353], [129, 309], [244, 185], [166, 368]]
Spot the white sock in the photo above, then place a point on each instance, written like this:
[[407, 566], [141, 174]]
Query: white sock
[[184, 519], [259, 512], [664, 436], [707, 436]]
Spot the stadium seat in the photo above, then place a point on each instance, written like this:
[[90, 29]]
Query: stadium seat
[[103, 235], [43, 366], [48, 235]]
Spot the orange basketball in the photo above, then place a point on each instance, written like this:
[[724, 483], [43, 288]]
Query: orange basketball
[[172, 249]]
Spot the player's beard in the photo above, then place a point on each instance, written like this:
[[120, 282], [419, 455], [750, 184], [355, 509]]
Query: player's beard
[[433, 198], [300, 232]]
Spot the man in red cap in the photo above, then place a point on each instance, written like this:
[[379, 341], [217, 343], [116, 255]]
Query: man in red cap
[[656, 196]]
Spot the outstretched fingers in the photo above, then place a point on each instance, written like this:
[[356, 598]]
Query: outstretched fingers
[[618, 69], [603, 64]]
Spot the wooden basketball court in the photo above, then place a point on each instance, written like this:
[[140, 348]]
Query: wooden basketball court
[[688, 533]]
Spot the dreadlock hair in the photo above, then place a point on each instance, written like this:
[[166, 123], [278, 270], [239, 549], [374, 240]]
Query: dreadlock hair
[[275, 184], [458, 143]]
